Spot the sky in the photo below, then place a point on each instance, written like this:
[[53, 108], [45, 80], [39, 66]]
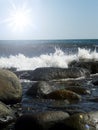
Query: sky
[[48, 19]]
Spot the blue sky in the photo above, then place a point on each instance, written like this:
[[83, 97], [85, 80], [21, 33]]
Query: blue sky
[[49, 19]]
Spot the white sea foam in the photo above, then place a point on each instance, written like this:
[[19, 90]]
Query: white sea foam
[[87, 54], [56, 59]]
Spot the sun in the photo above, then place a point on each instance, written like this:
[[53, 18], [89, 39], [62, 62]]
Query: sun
[[19, 18]]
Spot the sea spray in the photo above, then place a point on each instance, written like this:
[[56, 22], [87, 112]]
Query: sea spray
[[87, 54], [58, 58]]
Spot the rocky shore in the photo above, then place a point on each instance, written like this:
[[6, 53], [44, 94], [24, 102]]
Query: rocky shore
[[65, 98]]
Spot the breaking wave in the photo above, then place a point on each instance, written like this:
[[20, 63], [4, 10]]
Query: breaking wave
[[57, 59]]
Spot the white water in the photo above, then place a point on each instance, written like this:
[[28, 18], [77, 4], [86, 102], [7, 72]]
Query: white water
[[56, 59]]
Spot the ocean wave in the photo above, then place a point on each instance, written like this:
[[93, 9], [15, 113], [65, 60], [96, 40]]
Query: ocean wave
[[57, 59]]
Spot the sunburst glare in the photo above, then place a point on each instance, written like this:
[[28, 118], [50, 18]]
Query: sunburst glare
[[19, 17]]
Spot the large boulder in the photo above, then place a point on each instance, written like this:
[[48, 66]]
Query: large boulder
[[10, 87], [51, 73], [40, 120]]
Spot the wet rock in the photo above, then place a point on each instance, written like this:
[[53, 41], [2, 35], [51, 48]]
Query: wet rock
[[51, 120], [94, 99], [27, 122], [50, 73], [95, 82], [39, 89], [40, 121], [92, 66], [24, 74], [42, 89], [63, 94], [79, 82], [79, 121], [10, 87], [70, 82], [79, 90], [6, 115], [13, 69], [60, 126], [93, 119]]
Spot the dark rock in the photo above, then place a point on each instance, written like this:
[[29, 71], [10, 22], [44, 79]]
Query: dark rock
[[61, 126], [63, 94], [92, 66], [94, 99], [95, 82], [6, 115], [79, 90], [13, 69], [80, 121], [50, 73], [40, 121], [51, 120], [93, 118], [24, 74], [27, 122], [40, 88]]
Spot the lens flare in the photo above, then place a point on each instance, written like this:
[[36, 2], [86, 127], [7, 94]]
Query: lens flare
[[19, 17]]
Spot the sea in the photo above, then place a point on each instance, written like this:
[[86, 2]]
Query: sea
[[31, 54]]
